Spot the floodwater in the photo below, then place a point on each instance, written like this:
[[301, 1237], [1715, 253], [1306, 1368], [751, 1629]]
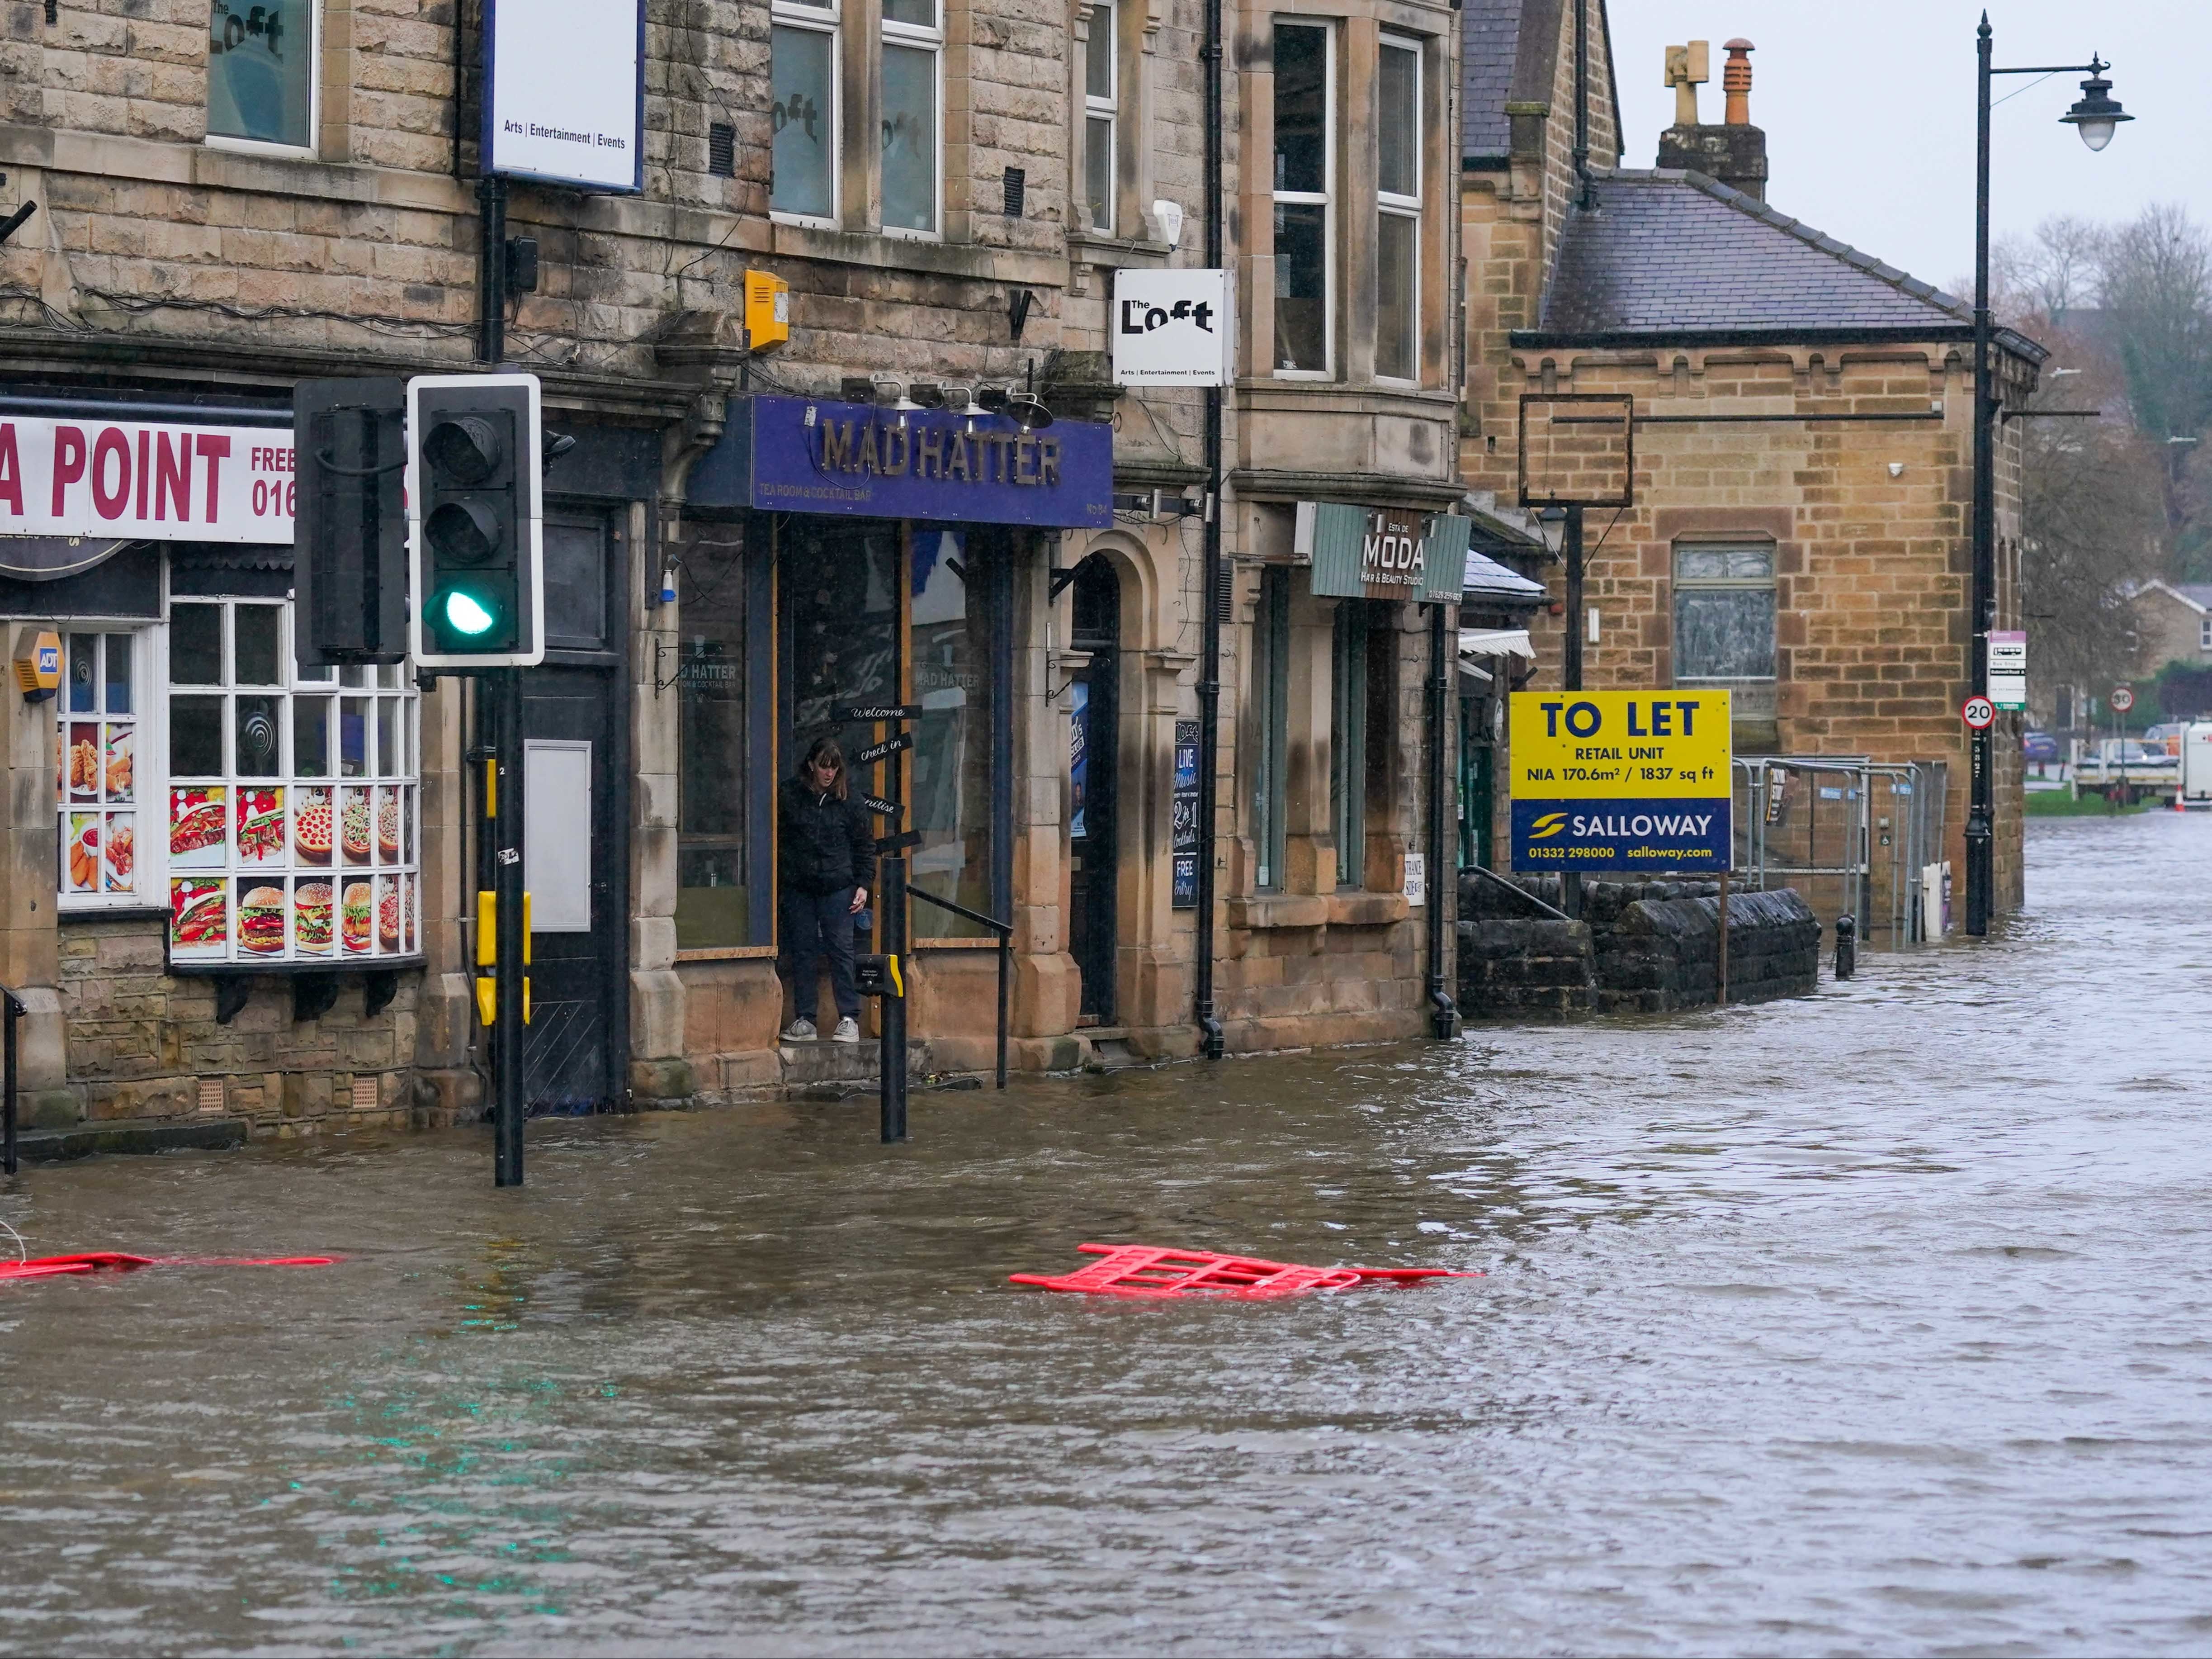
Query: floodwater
[[1872, 1323]]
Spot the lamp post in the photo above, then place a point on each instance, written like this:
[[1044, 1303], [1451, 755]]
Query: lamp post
[[2095, 117]]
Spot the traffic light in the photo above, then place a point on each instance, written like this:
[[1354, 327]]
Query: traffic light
[[349, 532], [473, 521]]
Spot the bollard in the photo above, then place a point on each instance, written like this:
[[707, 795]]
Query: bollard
[[1847, 946]]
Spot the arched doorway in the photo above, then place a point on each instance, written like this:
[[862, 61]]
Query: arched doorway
[[1093, 766]]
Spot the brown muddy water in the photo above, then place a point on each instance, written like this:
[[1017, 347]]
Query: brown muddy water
[[1872, 1323]]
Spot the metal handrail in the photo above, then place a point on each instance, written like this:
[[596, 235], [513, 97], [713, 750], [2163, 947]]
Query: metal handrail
[[15, 1011], [1517, 891], [1006, 932]]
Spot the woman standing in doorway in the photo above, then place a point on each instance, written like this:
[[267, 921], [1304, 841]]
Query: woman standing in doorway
[[827, 854]]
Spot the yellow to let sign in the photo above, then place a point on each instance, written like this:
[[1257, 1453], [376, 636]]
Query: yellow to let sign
[[1581, 746]]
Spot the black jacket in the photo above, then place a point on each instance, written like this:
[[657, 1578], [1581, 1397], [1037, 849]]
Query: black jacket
[[823, 845]]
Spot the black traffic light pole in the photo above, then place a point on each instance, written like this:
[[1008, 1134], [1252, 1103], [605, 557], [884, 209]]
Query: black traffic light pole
[[503, 827]]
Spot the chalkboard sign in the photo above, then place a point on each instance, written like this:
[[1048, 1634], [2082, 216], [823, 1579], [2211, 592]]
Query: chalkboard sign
[[1185, 797]]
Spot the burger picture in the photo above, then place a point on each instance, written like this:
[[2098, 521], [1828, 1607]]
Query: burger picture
[[312, 834], [310, 916], [261, 920], [388, 920], [354, 918], [197, 922]]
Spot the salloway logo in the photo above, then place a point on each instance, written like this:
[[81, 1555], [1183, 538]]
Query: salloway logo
[[1624, 823], [1551, 824], [1680, 834]]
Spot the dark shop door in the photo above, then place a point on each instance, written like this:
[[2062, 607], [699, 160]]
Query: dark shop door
[[575, 1051], [1093, 750]]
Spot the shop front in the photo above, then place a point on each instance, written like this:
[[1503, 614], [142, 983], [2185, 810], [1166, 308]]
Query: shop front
[[835, 555]]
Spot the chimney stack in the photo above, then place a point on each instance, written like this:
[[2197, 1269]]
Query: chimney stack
[[1736, 152]]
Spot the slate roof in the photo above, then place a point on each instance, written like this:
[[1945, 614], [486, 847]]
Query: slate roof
[[1486, 578], [2197, 594], [1490, 37], [1671, 253]]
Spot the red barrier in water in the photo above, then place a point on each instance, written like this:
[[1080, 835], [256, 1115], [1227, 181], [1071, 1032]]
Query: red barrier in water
[[1150, 1270], [114, 1261]]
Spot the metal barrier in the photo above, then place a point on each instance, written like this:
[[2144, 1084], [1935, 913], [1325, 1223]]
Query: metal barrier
[[1006, 934], [1870, 827], [15, 1010]]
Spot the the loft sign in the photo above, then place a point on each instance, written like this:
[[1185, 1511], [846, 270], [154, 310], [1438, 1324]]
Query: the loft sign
[[1383, 552]]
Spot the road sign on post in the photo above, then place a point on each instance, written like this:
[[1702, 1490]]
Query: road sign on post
[[2124, 698], [474, 521], [2008, 669], [1622, 780], [349, 532], [1978, 713]]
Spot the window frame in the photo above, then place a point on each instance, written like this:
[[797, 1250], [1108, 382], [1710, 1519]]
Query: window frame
[[914, 37], [828, 20], [149, 741], [1106, 109], [1271, 701], [2204, 632], [1392, 204], [1678, 585], [1326, 199], [307, 152]]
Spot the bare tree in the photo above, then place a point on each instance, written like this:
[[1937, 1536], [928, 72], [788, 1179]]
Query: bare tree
[[2156, 295], [2053, 272], [2092, 534]]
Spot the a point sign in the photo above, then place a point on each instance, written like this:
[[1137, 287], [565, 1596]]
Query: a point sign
[[1978, 712], [2124, 698]]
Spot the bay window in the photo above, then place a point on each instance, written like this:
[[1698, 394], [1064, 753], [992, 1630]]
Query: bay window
[[803, 117], [1304, 178], [1398, 210]]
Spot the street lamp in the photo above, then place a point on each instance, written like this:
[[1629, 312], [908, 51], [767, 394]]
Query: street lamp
[[2095, 117]]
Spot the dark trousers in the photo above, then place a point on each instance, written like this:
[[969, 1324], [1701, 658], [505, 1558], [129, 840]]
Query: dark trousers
[[815, 926]]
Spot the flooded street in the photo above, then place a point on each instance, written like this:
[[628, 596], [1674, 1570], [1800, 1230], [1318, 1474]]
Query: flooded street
[[1872, 1323]]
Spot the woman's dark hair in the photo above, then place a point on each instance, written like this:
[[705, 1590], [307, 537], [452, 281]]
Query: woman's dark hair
[[825, 749]]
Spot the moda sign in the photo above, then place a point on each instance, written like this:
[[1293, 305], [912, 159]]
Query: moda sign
[[1383, 552], [147, 482]]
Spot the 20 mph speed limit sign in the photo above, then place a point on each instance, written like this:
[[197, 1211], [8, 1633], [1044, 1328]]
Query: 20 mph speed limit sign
[[1978, 712]]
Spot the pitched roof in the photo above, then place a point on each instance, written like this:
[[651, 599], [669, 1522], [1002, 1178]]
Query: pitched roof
[[2196, 595], [1490, 36], [1666, 253]]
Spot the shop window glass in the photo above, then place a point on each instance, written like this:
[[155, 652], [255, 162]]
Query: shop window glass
[[715, 878], [1271, 705], [266, 858], [803, 75], [1724, 615], [576, 553], [1304, 176], [1101, 105], [261, 71], [910, 134], [1398, 211], [98, 786], [950, 779], [1347, 773]]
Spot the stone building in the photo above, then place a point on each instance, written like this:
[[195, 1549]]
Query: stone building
[[240, 892], [1802, 476]]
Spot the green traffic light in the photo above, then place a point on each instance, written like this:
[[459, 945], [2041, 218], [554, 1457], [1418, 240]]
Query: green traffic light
[[467, 614]]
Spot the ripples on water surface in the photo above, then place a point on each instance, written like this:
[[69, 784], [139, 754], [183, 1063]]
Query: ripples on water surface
[[1871, 1323]]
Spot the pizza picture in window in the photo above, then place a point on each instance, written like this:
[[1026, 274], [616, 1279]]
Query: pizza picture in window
[[122, 853], [387, 917], [260, 828], [197, 827], [199, 920], [310, 824], [387, 826], [355, 920], [352, 825]]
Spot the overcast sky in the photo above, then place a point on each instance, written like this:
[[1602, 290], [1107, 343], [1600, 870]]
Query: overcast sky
[[1869, 109]]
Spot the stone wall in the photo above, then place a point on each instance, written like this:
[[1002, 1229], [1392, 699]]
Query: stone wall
[[145, 1044], [1661, 954]]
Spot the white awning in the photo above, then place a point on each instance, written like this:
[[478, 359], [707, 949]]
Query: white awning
[[1496, 642]]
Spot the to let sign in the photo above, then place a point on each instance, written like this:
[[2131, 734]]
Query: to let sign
[[1621, 780], [152, 482]]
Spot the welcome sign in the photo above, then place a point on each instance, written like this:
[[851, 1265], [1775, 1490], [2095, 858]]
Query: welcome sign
[[1622, 781]]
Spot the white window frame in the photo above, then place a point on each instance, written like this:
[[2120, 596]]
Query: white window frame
[[1404, 207], [913, 37], [148, 776], [1101, 33], [307, 152], [2204, 632], [1326, 199], [815, 20]]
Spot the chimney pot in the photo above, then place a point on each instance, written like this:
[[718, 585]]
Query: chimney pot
[[1736, 80]]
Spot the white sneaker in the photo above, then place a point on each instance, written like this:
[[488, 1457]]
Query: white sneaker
[[801, 1030], [847, 1031]]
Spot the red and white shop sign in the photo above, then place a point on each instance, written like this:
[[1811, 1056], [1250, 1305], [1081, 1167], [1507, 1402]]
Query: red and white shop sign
[[89, 477]]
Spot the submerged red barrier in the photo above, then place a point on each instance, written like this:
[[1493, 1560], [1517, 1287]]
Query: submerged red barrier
[[114, 1261], [1150, 1270]]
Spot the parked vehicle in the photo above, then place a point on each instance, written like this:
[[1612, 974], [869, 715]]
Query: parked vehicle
[[2126, 770], [2196, 764], [2167, 737], [2039, 746]]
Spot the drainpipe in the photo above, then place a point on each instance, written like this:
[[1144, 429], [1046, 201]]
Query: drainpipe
[[1588, 197], [1211, 1042], [1446, 1016]]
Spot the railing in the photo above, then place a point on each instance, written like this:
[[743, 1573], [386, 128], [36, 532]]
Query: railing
[[14, 1005], [1005, 931]]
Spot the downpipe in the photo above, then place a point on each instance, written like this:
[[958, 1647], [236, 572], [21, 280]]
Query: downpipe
[[1212, 1041]]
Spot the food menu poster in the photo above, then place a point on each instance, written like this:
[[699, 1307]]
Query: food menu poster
[[100, 826], [296, 872]]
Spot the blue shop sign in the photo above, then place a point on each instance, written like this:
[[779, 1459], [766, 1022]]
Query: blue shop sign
[[817, 455]]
